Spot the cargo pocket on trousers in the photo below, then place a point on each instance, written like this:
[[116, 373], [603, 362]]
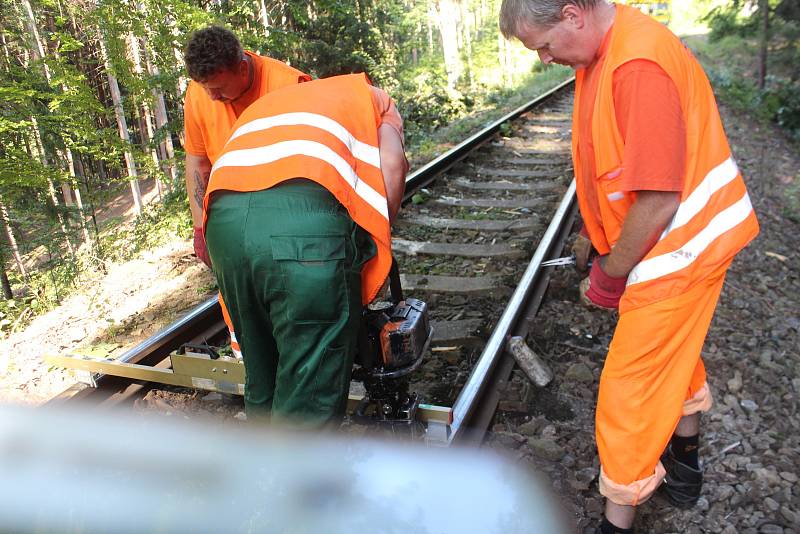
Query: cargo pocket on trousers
[[331, 382], [314, 278]]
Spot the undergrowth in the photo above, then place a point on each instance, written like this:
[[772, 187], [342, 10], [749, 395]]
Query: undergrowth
[[119, 241]]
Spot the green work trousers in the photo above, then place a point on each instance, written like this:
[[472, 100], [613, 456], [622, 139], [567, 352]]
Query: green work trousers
[[288, 261]]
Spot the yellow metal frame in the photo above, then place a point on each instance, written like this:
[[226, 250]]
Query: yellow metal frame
[[199, 371]]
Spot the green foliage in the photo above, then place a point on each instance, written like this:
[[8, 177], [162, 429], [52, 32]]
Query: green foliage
[[426, 104], [727, 20], [158, 223], [731, 55], [63, 101]]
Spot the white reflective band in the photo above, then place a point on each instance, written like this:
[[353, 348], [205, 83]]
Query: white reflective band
[[616, 195], [233, 336], [237, 353], [362, 151], [715, 180], [267, 154], [671, 262]]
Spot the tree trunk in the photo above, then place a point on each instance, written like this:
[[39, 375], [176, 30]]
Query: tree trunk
[[122, 125], [39, 50], [764, 40], [8, 294], [165, 146], [65, 155], [447, 20], [263, 16], [182, 81], [162, 121], [38, 150], [12, 241], [149, 132], [467, 27], [78, 200]]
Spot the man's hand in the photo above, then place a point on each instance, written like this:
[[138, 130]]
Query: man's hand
[[200, 248], [582, 250], [598, 290]]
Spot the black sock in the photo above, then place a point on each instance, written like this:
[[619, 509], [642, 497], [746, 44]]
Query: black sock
[[684, 449], [607, 527]]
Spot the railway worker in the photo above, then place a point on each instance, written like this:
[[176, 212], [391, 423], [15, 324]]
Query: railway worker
[[225, 80], [297, 221], [666, 208]]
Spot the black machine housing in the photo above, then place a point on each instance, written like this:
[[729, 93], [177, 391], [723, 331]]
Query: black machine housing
[[394, 337]]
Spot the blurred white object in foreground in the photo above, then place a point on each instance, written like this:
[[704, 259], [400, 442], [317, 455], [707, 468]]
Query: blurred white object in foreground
[[71, 471]]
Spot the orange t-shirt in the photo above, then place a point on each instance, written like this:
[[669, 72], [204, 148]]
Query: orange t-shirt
[[208, 122], [386, 110], [648, 112]]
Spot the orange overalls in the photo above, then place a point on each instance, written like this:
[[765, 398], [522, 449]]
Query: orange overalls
[[653, 373], [208, 124]]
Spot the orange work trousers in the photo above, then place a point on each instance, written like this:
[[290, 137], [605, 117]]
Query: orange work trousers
[[235, 348], [653, 375]]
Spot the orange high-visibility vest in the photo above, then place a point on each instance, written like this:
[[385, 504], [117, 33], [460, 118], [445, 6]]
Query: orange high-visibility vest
[[715, 218], [325, 131]]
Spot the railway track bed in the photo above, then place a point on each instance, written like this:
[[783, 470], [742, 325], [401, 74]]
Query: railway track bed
[[462, 244], [752, 453]]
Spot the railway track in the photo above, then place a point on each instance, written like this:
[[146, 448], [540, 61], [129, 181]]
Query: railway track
[[477, 223]]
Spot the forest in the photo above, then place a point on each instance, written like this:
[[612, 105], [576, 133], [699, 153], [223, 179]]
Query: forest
[[91, 97]]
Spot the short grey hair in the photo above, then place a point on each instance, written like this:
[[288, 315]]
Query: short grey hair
[[514, 14]]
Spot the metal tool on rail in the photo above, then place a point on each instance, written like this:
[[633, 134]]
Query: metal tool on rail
[[563, 261], [394, 337]]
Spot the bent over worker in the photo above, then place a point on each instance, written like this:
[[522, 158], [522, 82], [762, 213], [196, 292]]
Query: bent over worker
[[666, 208], [225, 80], [297, 220]]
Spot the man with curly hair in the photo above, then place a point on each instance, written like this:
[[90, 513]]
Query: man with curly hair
[[225, 80]]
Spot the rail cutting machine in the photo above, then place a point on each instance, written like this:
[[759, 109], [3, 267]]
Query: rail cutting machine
[[394, 337]]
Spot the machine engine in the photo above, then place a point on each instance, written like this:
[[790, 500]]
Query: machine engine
[[394, 337]]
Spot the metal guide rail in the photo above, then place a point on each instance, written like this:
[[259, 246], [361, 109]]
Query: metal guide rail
[[171, 357]]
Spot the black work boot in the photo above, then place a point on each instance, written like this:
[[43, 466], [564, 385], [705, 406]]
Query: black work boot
[[683, 483]]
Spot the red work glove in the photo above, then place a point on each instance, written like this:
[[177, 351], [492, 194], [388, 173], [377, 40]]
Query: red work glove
[[599, 290], [200, 248]]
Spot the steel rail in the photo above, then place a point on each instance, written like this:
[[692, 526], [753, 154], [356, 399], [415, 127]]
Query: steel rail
[[473, 390], [172, 336], [425, 174]]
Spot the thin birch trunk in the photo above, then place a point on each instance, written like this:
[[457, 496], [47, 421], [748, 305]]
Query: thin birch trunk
[[38, 150], [763, 41], [263, 16], [12, 240], [67, 189], [182, 81], [149, 132], [8, 294], [78, 200], [447, 19], [467, 27], [122, 125], [162, 119]]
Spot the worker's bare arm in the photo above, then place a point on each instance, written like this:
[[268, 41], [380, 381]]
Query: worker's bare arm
[[394, 167], [646, 219], [198, 170]]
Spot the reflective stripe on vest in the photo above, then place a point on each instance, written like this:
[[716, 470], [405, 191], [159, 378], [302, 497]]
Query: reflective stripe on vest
[[325, 131], [268, 154], [714, 219]]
